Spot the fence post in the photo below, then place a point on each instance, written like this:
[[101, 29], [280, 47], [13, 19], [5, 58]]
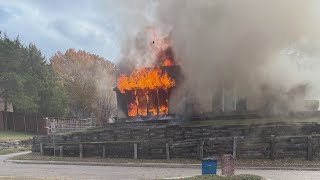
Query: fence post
[[167, 151], [103, 151], [201, 150], [235, 143], [61, 151], [135, 150], [81, 151], [273, 147], [41, 149], [310, 148]]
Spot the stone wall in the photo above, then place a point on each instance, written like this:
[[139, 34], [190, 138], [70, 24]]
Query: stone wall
[[244, 141], [15, 144]]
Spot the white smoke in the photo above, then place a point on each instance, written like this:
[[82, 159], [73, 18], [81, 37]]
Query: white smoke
[[243, 45]]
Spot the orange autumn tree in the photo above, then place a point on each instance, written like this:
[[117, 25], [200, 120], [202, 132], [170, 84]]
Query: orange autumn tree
[[89, 80]]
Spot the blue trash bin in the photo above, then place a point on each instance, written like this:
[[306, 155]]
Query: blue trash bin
[[209, 166]]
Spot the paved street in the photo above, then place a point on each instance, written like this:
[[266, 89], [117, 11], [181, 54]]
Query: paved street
[[123, 173]]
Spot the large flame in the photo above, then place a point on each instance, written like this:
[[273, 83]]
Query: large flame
[[147, 91], [145, 78]]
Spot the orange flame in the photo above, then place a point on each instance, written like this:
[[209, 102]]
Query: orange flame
[[149, 79], [167, 62], [132, 109], [143, 87]]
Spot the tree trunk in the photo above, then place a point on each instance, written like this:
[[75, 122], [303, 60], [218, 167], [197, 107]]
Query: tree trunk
[[2, 121], [14, 122], [37, 122], [5, 115], [24, 121]]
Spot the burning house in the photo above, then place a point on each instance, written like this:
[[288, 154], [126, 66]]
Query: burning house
[[151, 84], [145, 92]]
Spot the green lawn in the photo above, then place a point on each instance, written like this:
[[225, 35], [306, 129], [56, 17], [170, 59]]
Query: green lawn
[[38, 157], [15, 150], [10, 135], [22, 178], [285, 162], [235, 177]]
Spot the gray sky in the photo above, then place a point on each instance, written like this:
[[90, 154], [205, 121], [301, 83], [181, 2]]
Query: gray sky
[[95, 26]]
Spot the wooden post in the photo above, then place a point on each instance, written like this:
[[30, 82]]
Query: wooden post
[[54, 149], [201, 150], [54, 145], [235, 143], [273, 147], [41, 149], [158, 103], [167, 151], [137, 102], [310, 148], [135, 150], [103, 151], [61, 151], [81, 151], [147, 101]]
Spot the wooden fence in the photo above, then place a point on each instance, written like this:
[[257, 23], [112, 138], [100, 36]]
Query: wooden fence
[[57, 125], [23, 122]]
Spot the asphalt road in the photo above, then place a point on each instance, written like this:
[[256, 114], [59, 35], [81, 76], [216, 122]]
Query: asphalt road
[[132, 173]]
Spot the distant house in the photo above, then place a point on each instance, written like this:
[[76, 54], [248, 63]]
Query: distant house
[[2, 115]]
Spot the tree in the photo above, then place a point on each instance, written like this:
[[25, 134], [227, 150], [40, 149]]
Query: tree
[[89, 81], [11, 83], [28, 81]]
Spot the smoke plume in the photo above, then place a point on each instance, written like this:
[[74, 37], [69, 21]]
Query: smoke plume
[[243, 47]]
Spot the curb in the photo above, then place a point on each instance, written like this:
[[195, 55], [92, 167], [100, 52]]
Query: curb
[[158, 165]]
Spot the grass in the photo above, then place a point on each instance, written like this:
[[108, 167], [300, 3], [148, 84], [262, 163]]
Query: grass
[[285, 162], [38, 157], [10, 135], [15, 150], [235, 177], [22, 178], [239, 162]]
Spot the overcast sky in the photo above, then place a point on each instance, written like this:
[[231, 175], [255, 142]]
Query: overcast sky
[[57, 25]]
